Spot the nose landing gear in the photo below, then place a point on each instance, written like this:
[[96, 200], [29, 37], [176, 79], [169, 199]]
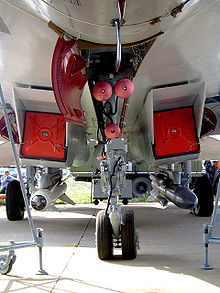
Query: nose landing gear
[[115, 229]]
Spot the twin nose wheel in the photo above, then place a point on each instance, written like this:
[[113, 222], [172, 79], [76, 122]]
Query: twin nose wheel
[[104, 236]]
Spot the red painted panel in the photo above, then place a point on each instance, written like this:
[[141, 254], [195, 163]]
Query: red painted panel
[[175, 132], [44, 136], [68, 80]]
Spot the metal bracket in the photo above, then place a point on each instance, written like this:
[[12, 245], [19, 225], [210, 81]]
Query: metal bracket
[[6, 262], [40, 245]]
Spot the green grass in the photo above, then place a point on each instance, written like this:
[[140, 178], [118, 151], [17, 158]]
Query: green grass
[[80, 192]]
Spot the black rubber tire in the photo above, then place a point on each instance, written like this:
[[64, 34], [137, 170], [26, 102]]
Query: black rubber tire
[[205, 194], [128, 235], [140, 186], [104, 239], [8, 269], [14, 201]]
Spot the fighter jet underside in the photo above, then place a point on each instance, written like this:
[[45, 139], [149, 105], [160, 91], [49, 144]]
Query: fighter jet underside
[[138, 80]]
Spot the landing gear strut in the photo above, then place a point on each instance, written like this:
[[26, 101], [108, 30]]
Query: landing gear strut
[[114, 229]]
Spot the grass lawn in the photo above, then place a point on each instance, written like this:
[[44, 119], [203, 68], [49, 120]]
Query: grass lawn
[[80, 192]]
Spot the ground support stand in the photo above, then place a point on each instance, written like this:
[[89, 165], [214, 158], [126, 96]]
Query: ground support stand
[[6, 261], [208, 233]]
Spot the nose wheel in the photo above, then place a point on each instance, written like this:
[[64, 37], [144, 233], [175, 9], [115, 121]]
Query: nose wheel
[[128, 236], [104, 239], [104, 236]]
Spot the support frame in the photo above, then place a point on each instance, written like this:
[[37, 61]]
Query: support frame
[[36, 234]]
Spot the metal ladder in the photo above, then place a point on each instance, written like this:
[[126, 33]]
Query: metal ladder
[[6, 261], [208, 233]]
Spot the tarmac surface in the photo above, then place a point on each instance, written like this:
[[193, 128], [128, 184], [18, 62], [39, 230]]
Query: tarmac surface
[[168, 262]]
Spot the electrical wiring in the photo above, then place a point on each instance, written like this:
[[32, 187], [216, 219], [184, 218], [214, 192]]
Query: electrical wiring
[[110, 181]]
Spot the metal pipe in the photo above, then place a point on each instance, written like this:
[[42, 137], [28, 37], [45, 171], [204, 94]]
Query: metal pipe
[[18, 246], [30, 220], [40, 238], [118, 60], [187, 173], [212, 224]]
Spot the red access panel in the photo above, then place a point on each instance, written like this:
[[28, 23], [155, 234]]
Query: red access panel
[[44, 136], [175, 133]]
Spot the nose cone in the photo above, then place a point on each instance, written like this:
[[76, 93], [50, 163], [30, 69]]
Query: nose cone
[[124, 88], [102, 91]]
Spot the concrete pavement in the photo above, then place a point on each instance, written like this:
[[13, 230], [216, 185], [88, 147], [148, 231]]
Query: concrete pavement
[[169, 260]]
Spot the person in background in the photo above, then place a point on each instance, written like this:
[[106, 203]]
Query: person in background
[[5, 180]]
